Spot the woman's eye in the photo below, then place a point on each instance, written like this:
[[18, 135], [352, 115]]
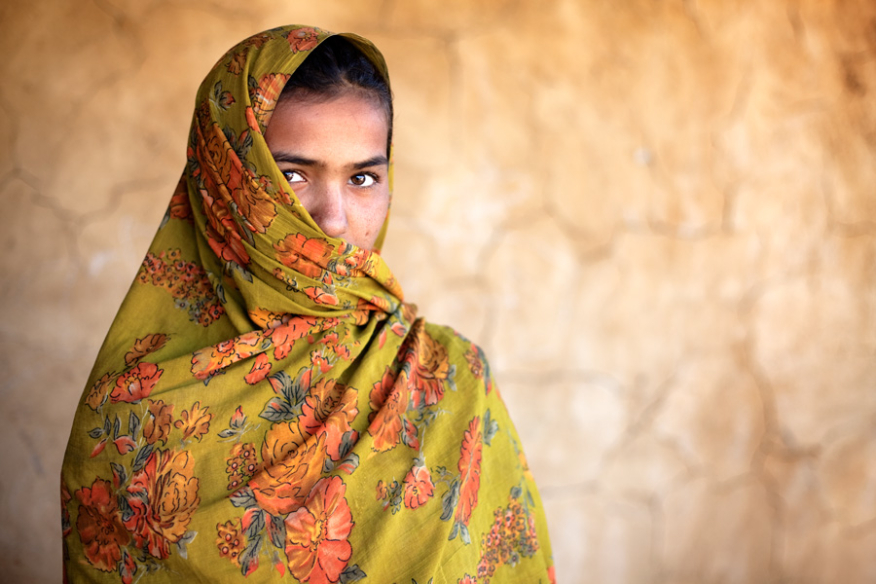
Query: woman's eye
[[363, 180], [293, 176]]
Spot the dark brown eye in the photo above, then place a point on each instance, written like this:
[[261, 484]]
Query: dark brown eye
[[362, 180], [293, 176]]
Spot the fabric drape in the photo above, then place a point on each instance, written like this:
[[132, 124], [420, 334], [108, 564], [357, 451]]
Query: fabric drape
[[266, 407]]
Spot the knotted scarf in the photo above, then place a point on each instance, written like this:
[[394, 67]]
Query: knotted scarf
[[266, 407]]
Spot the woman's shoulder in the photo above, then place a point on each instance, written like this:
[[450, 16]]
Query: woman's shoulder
[[454, 341], [456, 359]]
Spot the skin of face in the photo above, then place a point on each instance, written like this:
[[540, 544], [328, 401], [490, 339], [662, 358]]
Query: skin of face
[[333, 154]]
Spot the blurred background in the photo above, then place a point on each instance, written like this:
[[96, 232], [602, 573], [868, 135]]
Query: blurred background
[[657, 216]]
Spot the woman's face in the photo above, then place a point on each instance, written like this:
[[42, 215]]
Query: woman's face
[[333, 154]]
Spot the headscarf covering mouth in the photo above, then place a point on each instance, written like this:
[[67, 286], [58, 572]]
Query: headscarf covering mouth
[[250, 225]]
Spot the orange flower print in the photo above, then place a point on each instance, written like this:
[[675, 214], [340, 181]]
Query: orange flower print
[[258, 41], [330, 408], [254, 204], [419, 487], [381, 303], [251, 122], [179, 207], [322, 295], [410, 435], [228, 181], [389, 401], [268, 185], [236, 63], [222, 235], [99, 391], [430, 368], [241, 465], [266, 319], [219, 164], [303, 39], [331, 342], [136, 384], [467, 580], [164, 497], [238, 419], [195, 422], [225, 100], [100, 526], [142, 347], [317, 550], [292, 462], [127, 569], [207, 362], [469, 470], [341, 351], [263, 95], [382, 490], [475, 364], [308, 257], [157, 426], [260, 369], [511, 537], [319, 361], [230, 541], [285, 335], [353, 260], [189, 286]]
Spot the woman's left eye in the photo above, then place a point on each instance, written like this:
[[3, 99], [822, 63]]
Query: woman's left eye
[[364, 179], [293, 176]]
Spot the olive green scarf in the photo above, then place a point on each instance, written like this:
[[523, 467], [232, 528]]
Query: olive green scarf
[[265, 406]]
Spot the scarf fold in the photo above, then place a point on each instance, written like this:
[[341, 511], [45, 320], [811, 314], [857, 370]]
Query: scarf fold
[[266, 406]]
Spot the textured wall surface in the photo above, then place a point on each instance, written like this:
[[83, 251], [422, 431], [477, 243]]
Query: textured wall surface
[[657, 216]]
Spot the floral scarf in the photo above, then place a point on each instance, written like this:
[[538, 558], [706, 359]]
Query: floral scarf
[[266, 407]]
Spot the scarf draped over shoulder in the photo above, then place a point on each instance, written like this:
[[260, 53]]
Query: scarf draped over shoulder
[[266, 407]]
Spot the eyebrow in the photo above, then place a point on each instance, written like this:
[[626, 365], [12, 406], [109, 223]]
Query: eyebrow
[[302, 161]]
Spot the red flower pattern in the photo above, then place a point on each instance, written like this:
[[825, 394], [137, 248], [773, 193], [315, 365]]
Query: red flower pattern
[[164, 496], [418, 487], [136, 384], [308, 257], [330, 409], [100, 525], [303, 39], [207, 362], [388, 401], [317, 550], [430, 369], [469, 470], [261, 368]]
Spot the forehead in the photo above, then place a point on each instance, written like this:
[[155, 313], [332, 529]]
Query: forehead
[[348, 127]]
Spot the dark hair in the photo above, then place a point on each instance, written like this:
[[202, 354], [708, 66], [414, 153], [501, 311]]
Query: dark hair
[[335, 67]]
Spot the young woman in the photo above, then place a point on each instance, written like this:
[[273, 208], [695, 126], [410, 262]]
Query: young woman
[[265, 405]]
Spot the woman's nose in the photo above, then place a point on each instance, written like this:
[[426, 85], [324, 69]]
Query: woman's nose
[[329, 211]]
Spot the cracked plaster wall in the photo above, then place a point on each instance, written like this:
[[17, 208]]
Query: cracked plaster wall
[[658, 218]]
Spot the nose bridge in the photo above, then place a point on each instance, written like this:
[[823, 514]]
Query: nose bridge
[[329, 211]]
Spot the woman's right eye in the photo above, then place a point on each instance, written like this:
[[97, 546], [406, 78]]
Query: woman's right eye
[[293, 176]]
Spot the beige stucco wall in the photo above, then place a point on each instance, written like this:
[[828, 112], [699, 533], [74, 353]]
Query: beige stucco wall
[[657, 216]]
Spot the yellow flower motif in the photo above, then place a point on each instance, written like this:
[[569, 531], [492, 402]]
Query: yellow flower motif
[[157, 427], [195, 422]]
